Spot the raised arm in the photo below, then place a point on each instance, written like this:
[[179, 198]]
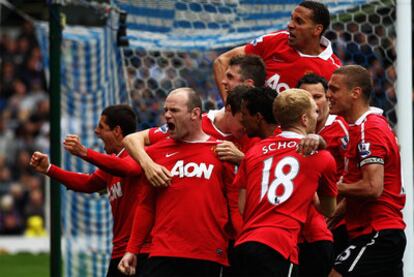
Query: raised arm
[[111, 164], [156, 174], [220, 66], [72, 180]]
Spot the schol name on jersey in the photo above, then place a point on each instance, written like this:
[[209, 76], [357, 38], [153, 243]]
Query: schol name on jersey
[[278, 145]]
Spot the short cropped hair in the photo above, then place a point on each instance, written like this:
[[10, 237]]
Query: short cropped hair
[[234, 99], [320, 13], [357, 76], [193, 98], [313, 79], [260, 100], [251, 67], [290, 105], [121, 115]]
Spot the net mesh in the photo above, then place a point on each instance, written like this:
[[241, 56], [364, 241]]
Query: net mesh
[[91, 79], [361, 33]]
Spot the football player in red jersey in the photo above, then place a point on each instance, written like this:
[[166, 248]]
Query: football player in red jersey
[[290, 54], [371, 183], [190, 216], [246, 70], [222, 124], [279, 185], [121, 182], [316, 252], [213, 123]]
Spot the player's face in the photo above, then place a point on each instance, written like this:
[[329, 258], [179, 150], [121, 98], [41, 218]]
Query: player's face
[[232, 78], [249, 121], [340, 98], [177, 115], [313, 118], [319, 95], [104, 132], [301, 28], [236, 127]]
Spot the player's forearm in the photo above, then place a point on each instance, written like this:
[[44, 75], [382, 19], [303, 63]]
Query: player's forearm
[[360, 189], [113, 165], [370, 185], [326, 205], [135, 145], [141, 228], [76, 181], [242, 200]]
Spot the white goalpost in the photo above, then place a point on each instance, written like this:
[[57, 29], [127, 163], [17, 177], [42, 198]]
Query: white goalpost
[[405, 121]]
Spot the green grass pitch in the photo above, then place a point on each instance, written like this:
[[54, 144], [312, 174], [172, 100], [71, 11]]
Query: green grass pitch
[[24, 264]]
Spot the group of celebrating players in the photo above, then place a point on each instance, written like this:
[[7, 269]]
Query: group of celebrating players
[[296, 176]]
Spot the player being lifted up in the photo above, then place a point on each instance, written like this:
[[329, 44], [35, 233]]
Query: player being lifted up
[[279, 185], [290, 54]]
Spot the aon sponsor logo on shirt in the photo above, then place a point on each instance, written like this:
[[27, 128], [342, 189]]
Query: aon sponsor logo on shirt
[[115, 191], [273, 82], [191, 169]]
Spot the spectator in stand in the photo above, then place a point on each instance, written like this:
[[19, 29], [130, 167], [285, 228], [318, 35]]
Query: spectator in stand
[[11, 222], [23, 116]]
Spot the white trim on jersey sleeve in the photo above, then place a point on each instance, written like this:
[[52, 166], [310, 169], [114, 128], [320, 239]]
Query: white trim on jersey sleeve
[[211, 115]]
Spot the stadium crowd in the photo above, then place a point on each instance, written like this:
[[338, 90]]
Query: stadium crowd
[[24, 127]]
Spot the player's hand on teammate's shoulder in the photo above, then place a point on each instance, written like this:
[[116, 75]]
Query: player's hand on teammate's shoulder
[[128, 264], [311, 143], [227, 151], [40, 162], [73, 145]]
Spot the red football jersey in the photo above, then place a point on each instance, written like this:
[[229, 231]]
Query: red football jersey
[[244, 143], [335, 133], [280, 184], [191, 215], [315, 228], [371, 140], [122, 191], [285, 66]]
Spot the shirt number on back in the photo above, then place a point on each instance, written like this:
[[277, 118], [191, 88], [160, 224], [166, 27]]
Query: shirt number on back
[[281, 188]]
